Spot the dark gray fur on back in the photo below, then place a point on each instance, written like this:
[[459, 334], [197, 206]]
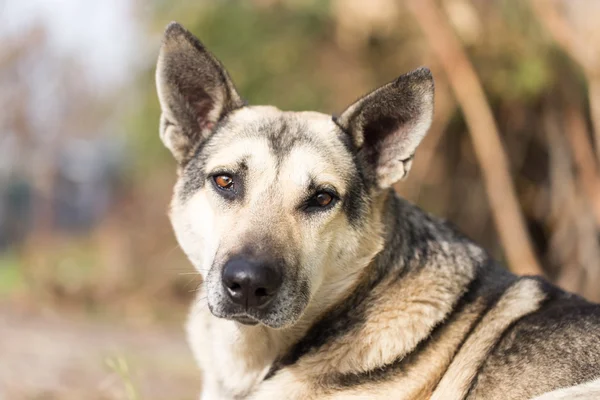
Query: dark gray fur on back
[[557, 346]]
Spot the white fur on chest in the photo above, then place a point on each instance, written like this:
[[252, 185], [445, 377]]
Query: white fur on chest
[[233, 358]]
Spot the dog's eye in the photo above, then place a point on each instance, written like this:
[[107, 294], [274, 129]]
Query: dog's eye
[[323, 199], [223, 181], [320, 200]]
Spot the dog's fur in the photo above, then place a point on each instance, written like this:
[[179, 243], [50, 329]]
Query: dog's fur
[[379, 300]]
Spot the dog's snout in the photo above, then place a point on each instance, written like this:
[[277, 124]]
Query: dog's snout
[[250, 283]]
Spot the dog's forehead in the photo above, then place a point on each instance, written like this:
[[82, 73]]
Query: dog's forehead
[[252, 114], [299, 145], [283, 127]]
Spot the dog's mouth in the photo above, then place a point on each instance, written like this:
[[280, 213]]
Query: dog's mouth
[[245, 320]]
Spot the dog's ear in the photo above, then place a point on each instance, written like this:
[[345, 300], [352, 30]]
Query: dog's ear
[[388, 124], [194, 91]]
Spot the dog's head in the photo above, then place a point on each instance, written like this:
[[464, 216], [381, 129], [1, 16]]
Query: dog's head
[[273, 206]]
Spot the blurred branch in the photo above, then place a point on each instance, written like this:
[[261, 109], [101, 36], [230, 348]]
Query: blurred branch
[[588, 181], [584, 53], [588, 178], [564, 200], [484, 133], [445, 109], [562, 33], [594, 99]]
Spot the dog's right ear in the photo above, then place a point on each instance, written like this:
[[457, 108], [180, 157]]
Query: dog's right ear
[[388, 124], [194, 90]]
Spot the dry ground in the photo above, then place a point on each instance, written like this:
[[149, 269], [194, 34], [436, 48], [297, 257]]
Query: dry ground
[[54, 357]]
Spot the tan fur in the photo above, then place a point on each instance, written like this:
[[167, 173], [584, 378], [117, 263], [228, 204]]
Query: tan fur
[[403, 317], [419, 380], [520, 299], [415, 383]]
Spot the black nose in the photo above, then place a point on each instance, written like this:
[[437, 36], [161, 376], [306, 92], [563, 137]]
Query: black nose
[[250, 283]]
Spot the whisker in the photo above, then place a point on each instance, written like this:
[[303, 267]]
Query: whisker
[[170, 252], [197, 289]]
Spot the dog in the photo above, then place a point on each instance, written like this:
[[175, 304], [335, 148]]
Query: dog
[[319, 282]]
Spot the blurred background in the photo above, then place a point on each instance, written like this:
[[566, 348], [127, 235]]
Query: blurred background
[[93, 288]]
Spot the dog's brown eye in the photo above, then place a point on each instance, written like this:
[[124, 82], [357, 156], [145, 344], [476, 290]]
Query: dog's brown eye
[[323, 199], [224, 181]]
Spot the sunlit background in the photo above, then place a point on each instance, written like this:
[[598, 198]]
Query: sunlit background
[[93, 288]]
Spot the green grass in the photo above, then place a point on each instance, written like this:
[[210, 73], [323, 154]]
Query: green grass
[[120, 366], [11, 275]]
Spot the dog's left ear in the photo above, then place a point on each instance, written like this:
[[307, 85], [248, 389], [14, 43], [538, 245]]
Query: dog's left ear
[[194, 90], [388, 124]]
